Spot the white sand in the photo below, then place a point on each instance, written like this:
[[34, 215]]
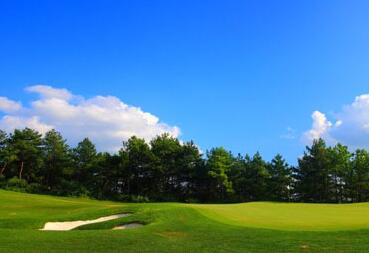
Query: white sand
[[128, 226], [69, 225]]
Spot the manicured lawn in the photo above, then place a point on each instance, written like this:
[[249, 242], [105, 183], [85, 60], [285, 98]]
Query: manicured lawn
[[172, 227], [291, 216]]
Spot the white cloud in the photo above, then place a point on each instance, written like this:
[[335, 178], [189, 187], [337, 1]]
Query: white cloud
[[351, 125], [105, 119], [9, 123], [8, 106], [321, 126], [46, 91], [290, 134]]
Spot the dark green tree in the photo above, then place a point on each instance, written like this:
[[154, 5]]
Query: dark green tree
[[26, 148], [240, 178], [190, 163], [340, 172], [107, 178], [167, 151], [280, 180], [57, 160], [141, 177], [258, 176], [313, 174], [85, 159], [219, 164], [360, 166], [5, 155]]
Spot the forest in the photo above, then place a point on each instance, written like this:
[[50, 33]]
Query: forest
[[166, 169]]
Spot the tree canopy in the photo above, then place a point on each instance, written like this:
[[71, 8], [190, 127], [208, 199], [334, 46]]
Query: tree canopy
[[166, 169]]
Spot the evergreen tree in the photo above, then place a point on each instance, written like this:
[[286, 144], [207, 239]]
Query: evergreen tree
[[240, 178], [167, 151], [279, 185], [341, 172], [313, 174], [142, 179], [219, 164], [189, 162], [85, 159], [360, 166], [57, 160], [26, 147], [5, 154], [258, 175]]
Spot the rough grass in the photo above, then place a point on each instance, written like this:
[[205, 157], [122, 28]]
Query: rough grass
[[175, 227]]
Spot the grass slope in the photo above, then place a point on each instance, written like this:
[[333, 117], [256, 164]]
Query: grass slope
[[175, 227]]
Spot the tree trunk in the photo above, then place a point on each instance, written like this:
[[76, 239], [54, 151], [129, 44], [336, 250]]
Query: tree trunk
[[3, 169], [21, 170]]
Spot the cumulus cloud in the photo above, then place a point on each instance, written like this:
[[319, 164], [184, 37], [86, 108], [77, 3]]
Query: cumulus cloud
[[46, 91], [105, 119], [9, 123], [320, 128], [7, 105], [351, 125]]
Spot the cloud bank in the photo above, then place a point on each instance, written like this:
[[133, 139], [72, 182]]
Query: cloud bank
[[350, 127], [7, 105], [105, 119]]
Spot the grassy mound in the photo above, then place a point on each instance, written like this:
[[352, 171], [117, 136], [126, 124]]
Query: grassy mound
[[172, 227]]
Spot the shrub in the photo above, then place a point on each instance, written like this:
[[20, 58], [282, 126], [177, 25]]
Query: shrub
[[132, 198], [35, 188], [16, 184], [139, 199]]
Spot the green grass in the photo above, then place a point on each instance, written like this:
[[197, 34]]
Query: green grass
[[173, 227], [291, 216]]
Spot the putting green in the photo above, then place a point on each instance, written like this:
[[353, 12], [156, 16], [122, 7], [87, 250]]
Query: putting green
[[290, 216]]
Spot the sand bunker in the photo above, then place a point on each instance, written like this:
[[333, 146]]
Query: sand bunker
[[69, 225], [128, 226]]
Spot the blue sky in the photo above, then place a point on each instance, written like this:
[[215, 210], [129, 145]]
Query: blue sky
[[236, 74]]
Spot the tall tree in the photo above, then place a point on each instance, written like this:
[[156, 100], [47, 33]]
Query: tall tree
[[279, 185], [5, 155], [57, 159], [360, 165], [142, 178], [107, 178], [341, 172], [240, 178], [167, 151], [189, 163], [313, 174], [26, 146], [85, 158], [219, 164], [258, 175]]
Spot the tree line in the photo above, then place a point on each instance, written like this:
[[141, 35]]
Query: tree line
[[166, 169]]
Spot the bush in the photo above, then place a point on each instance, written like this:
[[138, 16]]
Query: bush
[[16, 184], [133, 198], [192, 200], [35, 188], [70, 188], [139, 199]]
